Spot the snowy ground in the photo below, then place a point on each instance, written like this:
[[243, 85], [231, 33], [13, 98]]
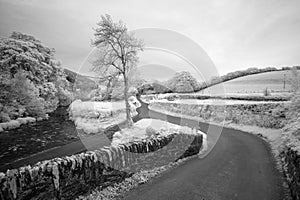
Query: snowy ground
[[147, 127]]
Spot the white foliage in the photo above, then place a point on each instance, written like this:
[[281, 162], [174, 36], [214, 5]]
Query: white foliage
[[96, 109], [26, 120], [138, 131], [21, 120], [32, 120], [92, 117], [13, 124], [10, 125], [16, 123], [88, 125], [93, 109]]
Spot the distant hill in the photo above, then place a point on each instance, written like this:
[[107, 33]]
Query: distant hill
[[276, 77], [79, 80], [275, 81]]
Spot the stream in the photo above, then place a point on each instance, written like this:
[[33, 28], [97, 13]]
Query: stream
[[32, 138]]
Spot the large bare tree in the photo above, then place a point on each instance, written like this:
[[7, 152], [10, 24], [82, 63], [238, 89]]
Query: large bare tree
[[117, 55]]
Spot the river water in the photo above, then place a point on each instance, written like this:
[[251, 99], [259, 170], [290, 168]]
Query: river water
[[29, 139]]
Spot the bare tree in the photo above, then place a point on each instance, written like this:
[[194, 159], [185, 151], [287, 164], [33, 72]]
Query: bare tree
[[117, 53]]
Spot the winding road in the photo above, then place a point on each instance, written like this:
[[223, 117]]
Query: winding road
[[240, 166]]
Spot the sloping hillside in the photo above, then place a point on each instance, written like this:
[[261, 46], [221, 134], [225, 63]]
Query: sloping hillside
[[276, 81], [79, 81]]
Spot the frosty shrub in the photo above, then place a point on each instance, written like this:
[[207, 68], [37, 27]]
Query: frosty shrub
[[295, 81], [150, 131], [4, 117], [183, 82], [29, 76], [294, 109]]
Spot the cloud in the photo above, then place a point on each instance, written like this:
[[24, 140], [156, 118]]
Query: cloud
[[235, 34]]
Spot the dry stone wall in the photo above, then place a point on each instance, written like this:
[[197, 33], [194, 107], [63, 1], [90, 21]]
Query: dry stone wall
[[70, 176]]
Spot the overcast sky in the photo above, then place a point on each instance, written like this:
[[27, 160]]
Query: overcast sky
[[236, 34]]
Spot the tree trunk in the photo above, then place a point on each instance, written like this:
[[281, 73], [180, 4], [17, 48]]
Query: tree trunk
[[108, 90], [129, 121]]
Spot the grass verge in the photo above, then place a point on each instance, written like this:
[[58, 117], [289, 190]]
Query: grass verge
[[119, 190]]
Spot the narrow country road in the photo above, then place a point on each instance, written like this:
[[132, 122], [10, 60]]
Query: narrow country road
[[240, 166]]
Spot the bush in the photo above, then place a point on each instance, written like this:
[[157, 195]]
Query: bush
[[172, 97], [80, 94], [292, 128], [10, 125], [64, 97], [26, 120], [160, 88], [36, 108], [21, 121], [263, 115], [36, 75], [4, 117], [150, 131], [295, 81], [90, 109], [117, 93], [98, 94], [182, 82], [294, 109]]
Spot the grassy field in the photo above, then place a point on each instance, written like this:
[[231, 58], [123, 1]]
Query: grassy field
[[256, 83]]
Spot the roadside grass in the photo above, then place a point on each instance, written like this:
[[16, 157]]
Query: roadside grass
[[119, 190], [273, 136]]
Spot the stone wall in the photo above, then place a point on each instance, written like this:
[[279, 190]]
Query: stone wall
[[292, 170], [268, 115], [69, 177]]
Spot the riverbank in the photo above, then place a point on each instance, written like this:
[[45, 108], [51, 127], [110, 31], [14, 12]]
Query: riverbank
[[39, 136]]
